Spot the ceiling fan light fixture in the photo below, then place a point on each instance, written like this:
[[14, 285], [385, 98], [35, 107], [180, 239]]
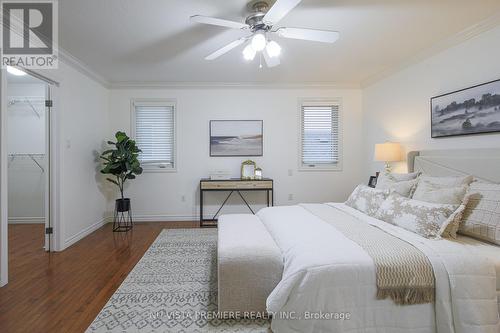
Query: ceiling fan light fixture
[[259, 42], [249, 53], [273, 49]]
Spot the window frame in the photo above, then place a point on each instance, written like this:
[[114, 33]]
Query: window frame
[[321, 102], [169, 102]]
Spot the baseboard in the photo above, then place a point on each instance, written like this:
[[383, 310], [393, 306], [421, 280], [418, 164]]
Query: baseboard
[[163, 218], [84, 233], [26, 220], [137, 218]]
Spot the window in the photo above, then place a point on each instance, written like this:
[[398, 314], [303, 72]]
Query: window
[[320, 139], [155, 134]]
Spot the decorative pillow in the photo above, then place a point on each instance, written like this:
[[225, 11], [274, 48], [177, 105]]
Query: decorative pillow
[[405, 187], [423, 218], [452, 228], [481, 218], [366, 199], [448, 181], [395, 177], [436, 193]]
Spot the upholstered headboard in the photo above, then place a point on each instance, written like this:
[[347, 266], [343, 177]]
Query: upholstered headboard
[[483, 164]]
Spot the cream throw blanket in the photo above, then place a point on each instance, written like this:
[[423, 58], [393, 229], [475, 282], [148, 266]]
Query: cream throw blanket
[[404, 273]]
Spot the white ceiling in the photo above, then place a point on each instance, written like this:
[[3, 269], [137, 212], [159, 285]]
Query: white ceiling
[[154, 41]]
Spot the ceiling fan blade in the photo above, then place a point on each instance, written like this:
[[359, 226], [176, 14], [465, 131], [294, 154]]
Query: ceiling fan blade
[[225, 49], [323, 36], [271, 61], [279, 10], [216, 21]]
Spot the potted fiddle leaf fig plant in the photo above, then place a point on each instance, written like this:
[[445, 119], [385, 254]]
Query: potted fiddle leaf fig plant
[[123, 164]]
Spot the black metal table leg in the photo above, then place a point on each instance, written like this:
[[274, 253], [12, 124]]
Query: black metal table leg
[[201, 207], [246, 202], [222, 205]]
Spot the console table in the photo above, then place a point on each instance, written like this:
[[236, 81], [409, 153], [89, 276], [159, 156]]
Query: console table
[[234, 185]]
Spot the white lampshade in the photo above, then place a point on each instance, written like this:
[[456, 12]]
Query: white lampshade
[[259, 42], [388, 152], [273, 49], [249, 52]]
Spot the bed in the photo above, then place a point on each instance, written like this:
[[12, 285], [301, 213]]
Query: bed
[[329, 281]]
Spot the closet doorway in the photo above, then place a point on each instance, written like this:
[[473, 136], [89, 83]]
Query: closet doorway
[[28, 162]]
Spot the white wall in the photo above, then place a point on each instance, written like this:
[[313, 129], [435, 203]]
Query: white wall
[[159, 196], [397, 108], [84, 126], [26, 135], [82, 115]]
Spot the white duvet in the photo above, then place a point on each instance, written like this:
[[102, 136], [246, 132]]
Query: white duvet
[[329, 282]]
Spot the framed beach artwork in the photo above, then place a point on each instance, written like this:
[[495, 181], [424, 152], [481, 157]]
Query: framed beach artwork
[[236, 137], [472, 110]]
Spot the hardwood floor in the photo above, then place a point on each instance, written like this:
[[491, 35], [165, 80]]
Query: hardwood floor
[[64, 291]]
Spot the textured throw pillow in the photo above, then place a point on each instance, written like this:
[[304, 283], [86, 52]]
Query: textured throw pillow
[[405, 187], [437, 193], [366, 199], [452, 228], [423, 218], [481, 218]]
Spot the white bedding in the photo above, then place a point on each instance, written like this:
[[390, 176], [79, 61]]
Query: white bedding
[[490, 251], [327, 274]]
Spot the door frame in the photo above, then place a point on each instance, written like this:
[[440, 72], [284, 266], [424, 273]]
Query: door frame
[[53, 205]]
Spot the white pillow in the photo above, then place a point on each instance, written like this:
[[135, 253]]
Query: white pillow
[[426, 219], [405, 187], [436, 193], [448, 181], [384, 178], [366, 199]]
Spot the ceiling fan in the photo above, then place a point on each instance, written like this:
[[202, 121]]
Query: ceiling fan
[[261, 25]]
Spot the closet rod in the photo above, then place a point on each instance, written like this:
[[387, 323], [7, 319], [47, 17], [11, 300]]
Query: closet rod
[[29, 101], [31, 156]]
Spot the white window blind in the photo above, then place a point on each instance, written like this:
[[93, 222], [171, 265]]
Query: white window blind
[[320, 136], [155, 134]]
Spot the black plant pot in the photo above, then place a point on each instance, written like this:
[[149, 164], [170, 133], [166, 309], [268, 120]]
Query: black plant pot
[[122, 220], [123, 205]]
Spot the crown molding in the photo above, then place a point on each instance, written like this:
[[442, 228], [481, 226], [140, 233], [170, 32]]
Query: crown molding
[[78, 65], [235, 85], [456, 39]]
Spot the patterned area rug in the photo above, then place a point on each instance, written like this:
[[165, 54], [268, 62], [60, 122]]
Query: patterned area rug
[[173, 288]]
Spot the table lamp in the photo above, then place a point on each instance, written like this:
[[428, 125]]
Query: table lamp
[[388, 152]]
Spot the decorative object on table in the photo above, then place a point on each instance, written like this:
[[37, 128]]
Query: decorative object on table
[[472, 110], [248, 169], [236, 137], [373, 181], [258, 173], [388, 152], [220, 174], [233, 185], [122, 162]]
